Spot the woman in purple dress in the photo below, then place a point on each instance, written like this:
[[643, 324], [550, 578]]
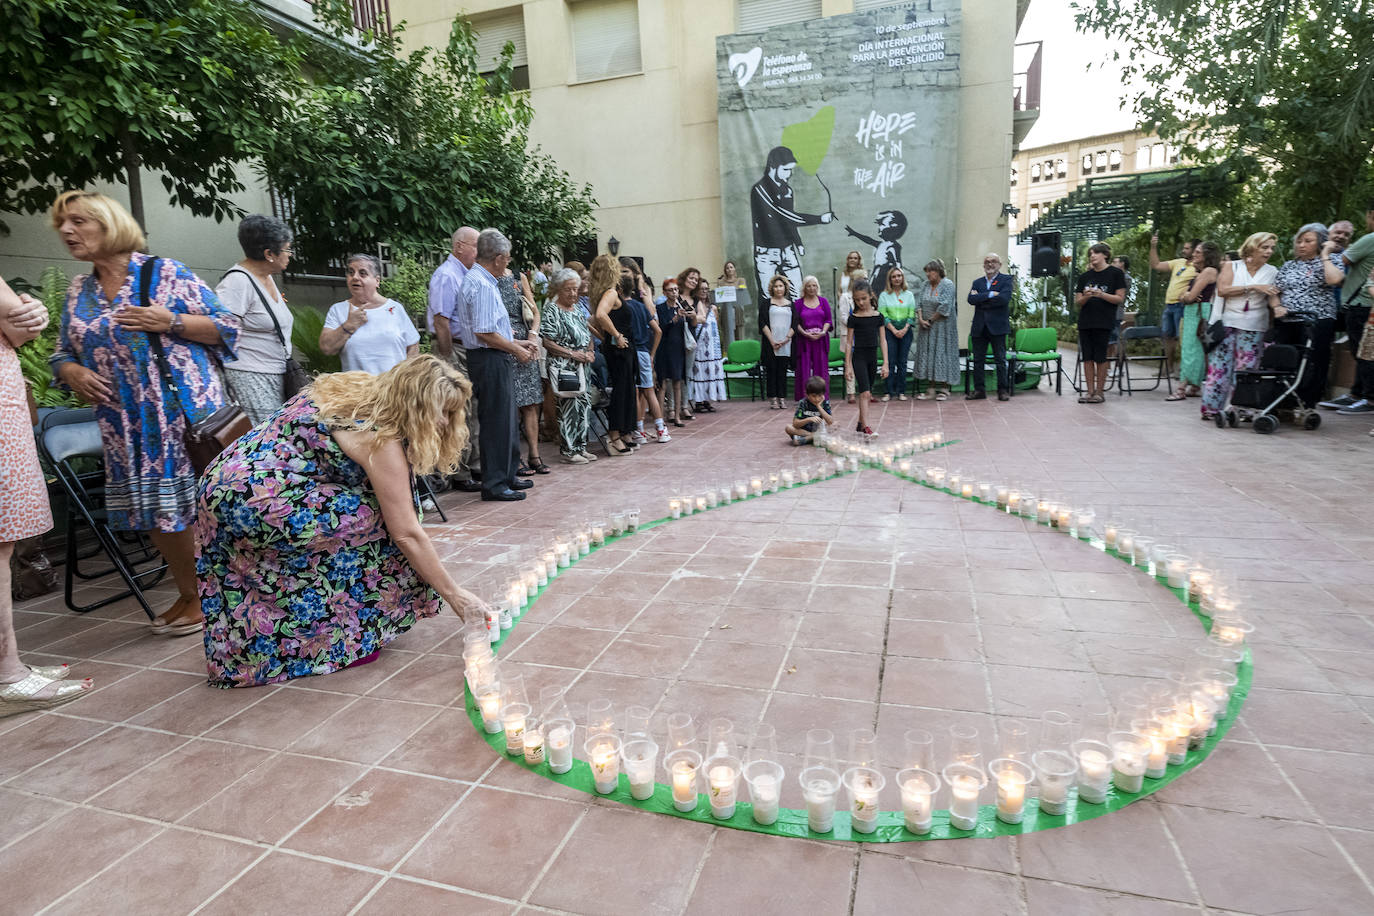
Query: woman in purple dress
[[811, 345]]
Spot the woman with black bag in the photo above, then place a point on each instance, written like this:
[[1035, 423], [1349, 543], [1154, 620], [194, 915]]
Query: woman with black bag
[[263, 376], [138, 341]]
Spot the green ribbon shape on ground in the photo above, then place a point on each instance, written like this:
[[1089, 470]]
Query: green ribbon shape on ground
[[891, 827]]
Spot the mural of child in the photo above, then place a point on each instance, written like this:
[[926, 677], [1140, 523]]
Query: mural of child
[[887, 251]]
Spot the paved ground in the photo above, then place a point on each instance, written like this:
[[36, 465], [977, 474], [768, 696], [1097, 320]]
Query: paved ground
[[366, 791]]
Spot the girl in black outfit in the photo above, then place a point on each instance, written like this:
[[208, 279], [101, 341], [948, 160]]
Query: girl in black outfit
[[863, 342], [612, 321], [775, 336]]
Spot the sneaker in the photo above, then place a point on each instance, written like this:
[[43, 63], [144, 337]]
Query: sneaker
[[639, 437], [575, 458], [1344, 400], [662, 436], [798, 440], [1360, 406], [428, 505], [867, 431], [588, 456]]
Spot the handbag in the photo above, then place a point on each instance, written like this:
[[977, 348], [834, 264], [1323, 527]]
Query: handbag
[[295, 378], [206, 439], [1212, 336], [569, 382]]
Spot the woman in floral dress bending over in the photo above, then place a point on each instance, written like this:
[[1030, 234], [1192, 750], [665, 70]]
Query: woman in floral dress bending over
[[311, 556]]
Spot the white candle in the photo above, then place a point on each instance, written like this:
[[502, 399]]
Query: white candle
[[712, 498], [1095, 769], [631, 520], [966, 490], [1065, 518], [820, 805], [985, 492], [563, 553], [599, 528], [584, 543], [1002, 494], [963, 811], [1177, 732], [541, 574], [605, 766], [853, 465], [1011, 797], [741, 489], [904, 467], [514, 721], [1109, 537], [916, 806], [1054, 796], [1199, 581], [701, 505], [1128, 766], [724, 496], [722, 779], [617, 523], [863, 813], [560, 750], [1125, 543], [955, 480], [489, 701], [640, 772], [1014, 501], [764, 791], [506, 616], [1083, 524], [1042, 510], [550, 563], [493, 616], [788, 478], [773, 480], [531, 580], [684, 785], [1158, 762], [534, 746]]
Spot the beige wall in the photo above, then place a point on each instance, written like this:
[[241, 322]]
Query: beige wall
[[658, 187]]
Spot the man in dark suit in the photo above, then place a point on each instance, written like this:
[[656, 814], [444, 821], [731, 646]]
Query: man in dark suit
[[991, 301]]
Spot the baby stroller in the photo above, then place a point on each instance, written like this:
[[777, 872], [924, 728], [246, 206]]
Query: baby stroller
[[1260, 393]]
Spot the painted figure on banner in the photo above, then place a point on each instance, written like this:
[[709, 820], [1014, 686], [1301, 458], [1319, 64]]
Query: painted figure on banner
[[887, 250], [777, 243]]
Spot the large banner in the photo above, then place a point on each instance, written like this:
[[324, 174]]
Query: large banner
[[840, 134]]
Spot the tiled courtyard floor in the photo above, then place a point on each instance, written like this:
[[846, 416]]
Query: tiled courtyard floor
[[857, 601]]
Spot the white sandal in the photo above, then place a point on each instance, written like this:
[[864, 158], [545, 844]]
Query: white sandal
[[22, 696]]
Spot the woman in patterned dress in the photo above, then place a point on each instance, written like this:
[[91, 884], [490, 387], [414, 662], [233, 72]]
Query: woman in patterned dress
[[568, 340], [103, 355], [23, 510], [525, 381], [937, 342], [1246, 298], [311, 552]]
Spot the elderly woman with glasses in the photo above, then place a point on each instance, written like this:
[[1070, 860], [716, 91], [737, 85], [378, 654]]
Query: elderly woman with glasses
[[256, 378], [568, 342], [1304, 292], [370, 332]]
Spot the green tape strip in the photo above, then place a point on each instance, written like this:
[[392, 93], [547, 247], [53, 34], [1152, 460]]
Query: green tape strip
[[792, 822]]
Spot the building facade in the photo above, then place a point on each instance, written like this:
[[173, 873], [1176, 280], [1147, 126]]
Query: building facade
[[1042, 175]]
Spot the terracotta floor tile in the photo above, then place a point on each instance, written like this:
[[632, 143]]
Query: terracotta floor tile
[[734, 664], [573, 647], [784, 569], [938, 684], [274, 798], [1044, 898], [842, 631], [622, 690], [781, 596], [25, 812], [1023, 611], [364, 732], [168, 788], [40, 737], [434, 679], [855, 600], [794, 715], [929, 604], [763, 874], [202, 864], [493, 842], [825, 672], [293, 884], [934, 639], [131, 695], [1126, 851], [656, 859], [692, 589], [77, 774], [1324, 778], [398, 895], [740, 705], [755, 625], [281, 718], [1302, 867], [1028, 692], [446, 746], [646, 655], [392, 810], [104, 839], [671, 618], [884, 880], [197, 709], [1316, 720]]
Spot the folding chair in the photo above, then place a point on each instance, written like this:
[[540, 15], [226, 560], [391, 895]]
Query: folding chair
[[1039, 345], [742, 357], [65, 438], [1124, 359], [427, 492]]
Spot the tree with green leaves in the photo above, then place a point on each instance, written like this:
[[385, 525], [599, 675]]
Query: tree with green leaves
[[1285, 86], [404, 147], [96, 89]]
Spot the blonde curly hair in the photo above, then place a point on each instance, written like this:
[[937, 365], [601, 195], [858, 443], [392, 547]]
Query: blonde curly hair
[[422, 401]]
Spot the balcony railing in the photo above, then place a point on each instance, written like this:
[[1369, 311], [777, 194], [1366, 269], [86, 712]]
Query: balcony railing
[[1026, 81], [374, 16]]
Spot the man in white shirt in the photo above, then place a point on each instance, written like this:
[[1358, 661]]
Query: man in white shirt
[[444, 285]]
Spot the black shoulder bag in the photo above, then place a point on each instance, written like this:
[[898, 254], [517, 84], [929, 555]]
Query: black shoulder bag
[[206, 439], [294, 378]]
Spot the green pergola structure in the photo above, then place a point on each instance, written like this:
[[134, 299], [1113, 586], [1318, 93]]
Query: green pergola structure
[[1103, 207]]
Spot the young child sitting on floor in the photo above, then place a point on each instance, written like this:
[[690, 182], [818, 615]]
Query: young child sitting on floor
[[812, 411]]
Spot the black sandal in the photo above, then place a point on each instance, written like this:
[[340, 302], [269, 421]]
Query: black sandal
[[676, 422], [539, 467]]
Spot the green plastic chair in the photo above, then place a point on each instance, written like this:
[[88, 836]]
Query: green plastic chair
[[742, 357], [968, 355], [1040, 345], [836, 353]]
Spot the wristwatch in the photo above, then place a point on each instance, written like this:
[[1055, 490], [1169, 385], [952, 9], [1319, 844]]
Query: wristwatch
[[176, 324]]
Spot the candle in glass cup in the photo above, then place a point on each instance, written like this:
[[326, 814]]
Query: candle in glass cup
[[1109, 535], [852, 463], [722, 778], [1130, 757], [1055, 771], [1125, 543], [819, 792], [1043, 510], [603, 753], [1141, 550], [701, 504], [631, 520], [966, 489], [954, 480], [674, 507], [774, 479], [531, 581], [584, 543], [1178, 726], [1012, 776], [1014, 502], [493, 617], [682, 767], [1152, 730], [904, 467], [985, 491], [489, 702], [1094, 770], [712, 498], [533, 742], [513, 717], [1001, 494], [963, 808], [1083, 524], [1231, 631], [563, 553], [639, 757], [559, 738], [741, 489], [599, 527], [617, 523], [506, 615], [1176, 570], [1064, 517], [918, 794], [864, 785], [789, 478], [763, 791]]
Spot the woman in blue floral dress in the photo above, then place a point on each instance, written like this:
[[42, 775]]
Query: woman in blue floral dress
[[104, 356], [311, 552]]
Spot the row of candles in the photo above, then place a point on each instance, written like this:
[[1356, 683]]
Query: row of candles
[[1152, 733]]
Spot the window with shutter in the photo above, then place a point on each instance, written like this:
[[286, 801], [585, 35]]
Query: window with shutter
[[760, 14], [605, 38], [493, 30]]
